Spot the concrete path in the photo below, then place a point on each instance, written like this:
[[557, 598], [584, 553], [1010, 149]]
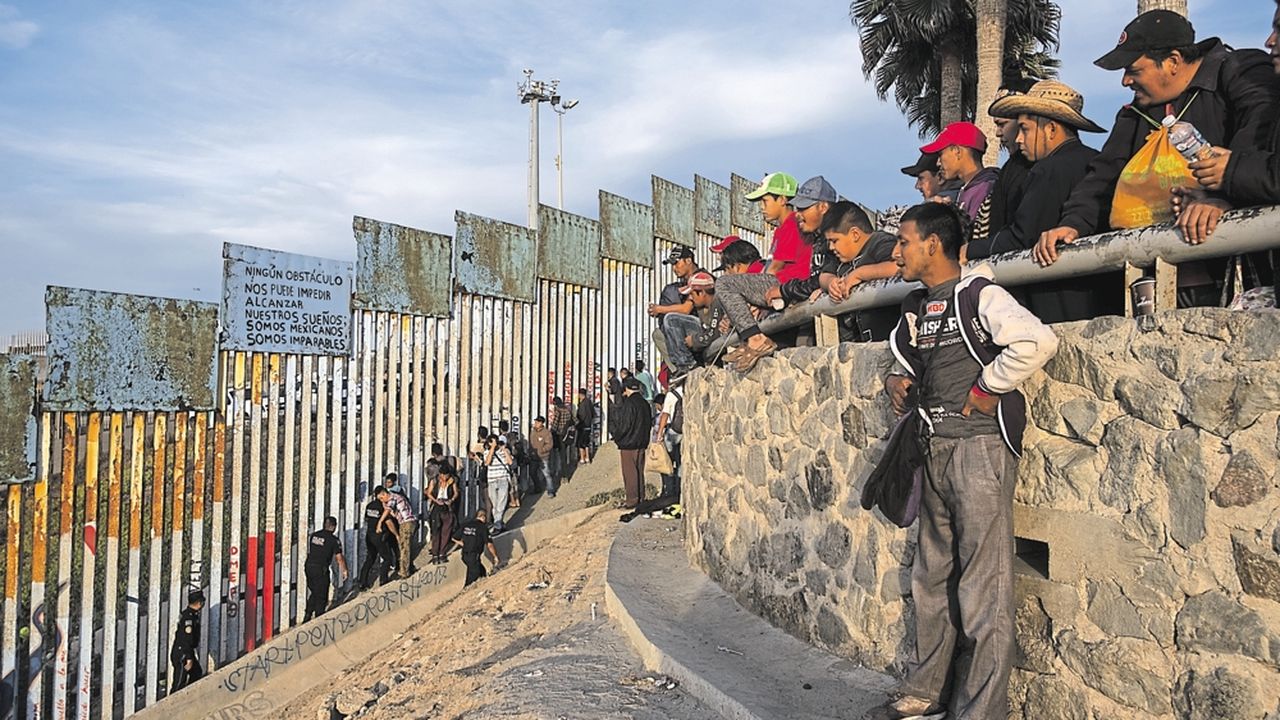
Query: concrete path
[[683, 624]]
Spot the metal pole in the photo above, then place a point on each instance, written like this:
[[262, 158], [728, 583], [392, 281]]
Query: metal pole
[[533, 164], [560, 160]]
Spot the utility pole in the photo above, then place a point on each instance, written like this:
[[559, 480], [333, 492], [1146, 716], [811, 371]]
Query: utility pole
[[531, 92]]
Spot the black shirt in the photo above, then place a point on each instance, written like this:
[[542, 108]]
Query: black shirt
[[372, 512], [874, 324], [322, 546], [1234, 96], [474, 536], [188, 636], [949, 370]]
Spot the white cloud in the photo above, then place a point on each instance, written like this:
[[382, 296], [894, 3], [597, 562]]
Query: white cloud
[[15, 32]]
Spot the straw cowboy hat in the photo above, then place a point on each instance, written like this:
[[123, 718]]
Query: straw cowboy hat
[[1050, 99]]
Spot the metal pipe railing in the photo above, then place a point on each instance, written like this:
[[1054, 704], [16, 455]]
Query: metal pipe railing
[[1240, 231]]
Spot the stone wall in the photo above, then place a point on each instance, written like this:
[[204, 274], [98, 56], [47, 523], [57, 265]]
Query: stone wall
[[1150, 474]]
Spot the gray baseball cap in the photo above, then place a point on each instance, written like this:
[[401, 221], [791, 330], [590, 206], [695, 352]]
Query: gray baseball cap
[[814, 190]]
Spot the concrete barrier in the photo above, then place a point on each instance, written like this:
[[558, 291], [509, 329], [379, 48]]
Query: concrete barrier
[[289, 665]]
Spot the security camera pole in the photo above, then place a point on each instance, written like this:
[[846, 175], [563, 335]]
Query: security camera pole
[[532, 92]]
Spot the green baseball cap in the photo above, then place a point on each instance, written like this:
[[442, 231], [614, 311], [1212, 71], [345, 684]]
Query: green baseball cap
[[775, 184]]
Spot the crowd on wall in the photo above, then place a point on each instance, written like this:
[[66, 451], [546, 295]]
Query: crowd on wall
[[1199, 138]]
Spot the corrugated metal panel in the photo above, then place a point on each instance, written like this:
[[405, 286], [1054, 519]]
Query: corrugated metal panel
[[672, 212], [626, 228], [17, 417], [710, 207], [276, 301], [744, 213], [568, 247], [110, 351], [493, 258], [401, 269]]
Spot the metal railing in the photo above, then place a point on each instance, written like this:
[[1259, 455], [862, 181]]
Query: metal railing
[[1240, 231]]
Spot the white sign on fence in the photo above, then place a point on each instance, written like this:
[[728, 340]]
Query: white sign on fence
[[282, 302]]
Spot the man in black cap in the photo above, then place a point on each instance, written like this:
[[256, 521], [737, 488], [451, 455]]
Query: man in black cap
[[184, 654], [630, 424], [1228, 95], [1248, 176], [322, 548], [929, 182], [671, 304], [473, 536]]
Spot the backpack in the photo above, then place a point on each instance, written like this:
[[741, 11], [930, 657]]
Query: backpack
[[676, 423]]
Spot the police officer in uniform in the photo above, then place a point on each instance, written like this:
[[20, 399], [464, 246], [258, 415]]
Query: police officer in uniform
[[379, 548], [473, 536], [322, 547], [183, 655]]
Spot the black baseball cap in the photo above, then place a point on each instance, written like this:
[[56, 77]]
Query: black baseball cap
[[677, 254], [1152, 30], [633, 383], [927, 161]]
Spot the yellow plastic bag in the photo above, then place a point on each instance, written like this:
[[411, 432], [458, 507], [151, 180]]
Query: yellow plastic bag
[[1146, 184]]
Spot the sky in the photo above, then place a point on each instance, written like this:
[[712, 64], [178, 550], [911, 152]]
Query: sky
[[138, 136]]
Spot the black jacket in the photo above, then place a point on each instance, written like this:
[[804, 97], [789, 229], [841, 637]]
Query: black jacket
[[1234, 109], [631, 422], [1048, 185], [1253, 176]]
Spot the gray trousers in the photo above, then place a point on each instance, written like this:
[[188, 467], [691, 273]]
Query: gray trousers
[[739, 293], [962, 582]]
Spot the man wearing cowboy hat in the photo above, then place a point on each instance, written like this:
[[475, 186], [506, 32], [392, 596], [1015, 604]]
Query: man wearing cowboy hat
[[1226, 94], [1049, 119]]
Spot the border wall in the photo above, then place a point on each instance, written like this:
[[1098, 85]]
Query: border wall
[[179, 444]]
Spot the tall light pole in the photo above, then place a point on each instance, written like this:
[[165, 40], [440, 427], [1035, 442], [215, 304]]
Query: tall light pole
[[532, 92], [561, 109]]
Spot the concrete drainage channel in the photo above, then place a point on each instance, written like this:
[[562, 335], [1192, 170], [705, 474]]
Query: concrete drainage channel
[[684, 625], [296, 661]]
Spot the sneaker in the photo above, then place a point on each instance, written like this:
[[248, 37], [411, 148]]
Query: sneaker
[[908, 708]]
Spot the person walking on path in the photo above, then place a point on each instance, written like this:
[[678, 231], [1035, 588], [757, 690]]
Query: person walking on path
[[631, 426], [442, 499], [585, 424], [498, 459], [405, 523], [322, 548], [540, 466], [183, 655], [965, 345], [379, 547], [473, 536]]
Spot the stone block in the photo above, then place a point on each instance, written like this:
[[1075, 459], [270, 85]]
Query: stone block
[[1112, 612], [1130, 476], [831, 628], [1180, 461], [834, 545], [818, 478], [1214, 622], [1257, 566], [1087, 417], [1128, 672], [1218, 694], [1050, 697], [1034, 634], [1206, 401], [866, 565], [1149, 398], [853, 428], [1243, 482]]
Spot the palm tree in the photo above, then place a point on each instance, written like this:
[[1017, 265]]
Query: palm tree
[[926, 52], [991, 17], [1178, 6]]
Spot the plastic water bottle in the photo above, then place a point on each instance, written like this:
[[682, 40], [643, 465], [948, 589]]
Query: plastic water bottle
[[1187, 139]]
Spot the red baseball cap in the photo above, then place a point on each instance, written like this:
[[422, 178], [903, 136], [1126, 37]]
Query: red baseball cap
[[701, 280], [726, 242], [964, 134]]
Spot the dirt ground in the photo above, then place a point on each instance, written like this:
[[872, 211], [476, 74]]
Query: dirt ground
[[530, 641]]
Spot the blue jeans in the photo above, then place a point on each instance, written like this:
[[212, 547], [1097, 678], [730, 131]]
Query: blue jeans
[[675, 326]]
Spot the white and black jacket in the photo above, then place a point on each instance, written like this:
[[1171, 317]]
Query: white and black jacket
[[1003, 336]]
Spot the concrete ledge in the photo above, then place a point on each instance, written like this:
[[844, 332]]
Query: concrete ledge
[[310, 655], [684, 625]]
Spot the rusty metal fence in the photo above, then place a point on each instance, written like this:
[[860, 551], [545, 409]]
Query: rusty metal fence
[[180, 445]]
